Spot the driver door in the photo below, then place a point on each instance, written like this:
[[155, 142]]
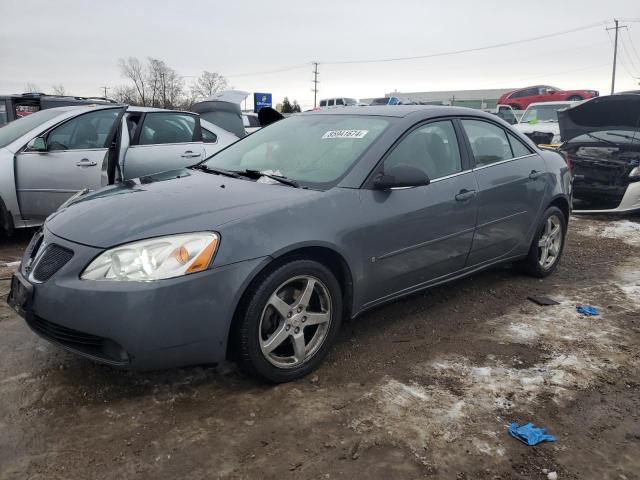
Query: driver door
[[420, 234], [76, 157]]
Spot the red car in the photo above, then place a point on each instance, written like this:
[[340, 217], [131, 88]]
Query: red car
[[520, 99]]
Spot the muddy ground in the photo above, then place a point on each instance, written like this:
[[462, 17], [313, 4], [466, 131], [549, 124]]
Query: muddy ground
[[422, 388]]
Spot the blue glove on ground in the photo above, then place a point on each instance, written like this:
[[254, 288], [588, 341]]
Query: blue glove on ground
[[587, 310], [529, 434]]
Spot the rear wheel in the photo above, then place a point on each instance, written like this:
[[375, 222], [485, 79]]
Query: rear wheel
[[574, 98], [547, 245], [290, 321]]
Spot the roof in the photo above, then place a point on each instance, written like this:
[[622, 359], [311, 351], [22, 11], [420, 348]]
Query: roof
[[400, 111], [376, 110]]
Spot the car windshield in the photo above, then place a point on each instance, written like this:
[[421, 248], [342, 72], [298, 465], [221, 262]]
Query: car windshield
[[14, 130], [350, 101], [542, 113], [379, 101], [314, 150]]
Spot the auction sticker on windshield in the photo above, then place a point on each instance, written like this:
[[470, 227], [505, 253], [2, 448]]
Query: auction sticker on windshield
[[345, 134]]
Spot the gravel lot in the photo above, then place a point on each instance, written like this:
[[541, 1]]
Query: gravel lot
[[422, 388]]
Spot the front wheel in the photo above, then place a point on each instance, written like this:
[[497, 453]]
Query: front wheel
[[290, 321], [547, 245]]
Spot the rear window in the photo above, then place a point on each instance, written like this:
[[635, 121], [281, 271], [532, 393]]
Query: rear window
[[16, 129]]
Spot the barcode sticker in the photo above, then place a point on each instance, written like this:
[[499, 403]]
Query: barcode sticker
[[345, 134]]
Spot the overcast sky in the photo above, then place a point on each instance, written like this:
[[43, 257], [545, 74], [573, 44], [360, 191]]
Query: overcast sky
[[77, 43]]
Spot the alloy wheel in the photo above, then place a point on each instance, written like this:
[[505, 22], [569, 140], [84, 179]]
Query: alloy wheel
[[550, 242], [295, 321]]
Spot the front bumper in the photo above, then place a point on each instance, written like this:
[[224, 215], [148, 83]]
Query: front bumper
[[141, 325], [630, 202]]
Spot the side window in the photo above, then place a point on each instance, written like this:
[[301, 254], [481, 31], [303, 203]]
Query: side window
[[330, 102], [488, 142], [323, 103], [519, 149], [209, 137], [163, 128], [90, 130], [339, 101], [432, 148]]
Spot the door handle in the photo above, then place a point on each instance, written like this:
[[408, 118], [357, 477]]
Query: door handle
[[85, 162], [465, 195], [190, 154], [534, 175]]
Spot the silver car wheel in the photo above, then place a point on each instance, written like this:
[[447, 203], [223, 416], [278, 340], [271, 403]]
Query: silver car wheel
[[550, 242], [295, 321]]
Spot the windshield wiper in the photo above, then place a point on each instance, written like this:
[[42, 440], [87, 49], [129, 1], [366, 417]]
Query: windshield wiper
[[217, 171], [279, 178], [600, 139], [633, 139]]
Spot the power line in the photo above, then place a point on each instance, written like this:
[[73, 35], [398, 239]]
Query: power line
[[467, 50], [628, 55], [633, 45]]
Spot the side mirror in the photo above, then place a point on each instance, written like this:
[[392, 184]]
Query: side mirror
[[401, 176], [38, 144]]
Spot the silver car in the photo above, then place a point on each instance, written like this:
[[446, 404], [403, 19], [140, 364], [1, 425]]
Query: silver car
[[48, 156]]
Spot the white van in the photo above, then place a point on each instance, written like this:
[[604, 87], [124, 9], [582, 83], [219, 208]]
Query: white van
[[338, 102]]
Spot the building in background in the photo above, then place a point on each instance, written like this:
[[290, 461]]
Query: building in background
[[487, 98]]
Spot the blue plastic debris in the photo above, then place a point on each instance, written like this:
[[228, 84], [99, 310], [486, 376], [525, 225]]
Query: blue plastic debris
[[587, 310], [529, 434]]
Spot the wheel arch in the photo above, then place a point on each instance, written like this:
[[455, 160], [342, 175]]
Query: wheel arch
[[562, 203], [322, 253]]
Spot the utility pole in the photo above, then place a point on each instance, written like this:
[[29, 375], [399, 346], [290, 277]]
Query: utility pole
[[615, 54], [315, 82], [105, 91]]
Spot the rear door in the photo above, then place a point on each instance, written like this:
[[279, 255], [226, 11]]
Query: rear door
[[77, 157], [423, 233], [163, 141], [511, 186]]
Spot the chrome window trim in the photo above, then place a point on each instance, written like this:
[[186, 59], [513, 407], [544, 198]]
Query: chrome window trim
[[481, 167]]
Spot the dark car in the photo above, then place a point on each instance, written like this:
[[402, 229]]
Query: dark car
[[602, 143], [522, 98], [260, 252]]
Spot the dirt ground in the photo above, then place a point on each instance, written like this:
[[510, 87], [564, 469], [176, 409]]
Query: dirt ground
[[422, 388]]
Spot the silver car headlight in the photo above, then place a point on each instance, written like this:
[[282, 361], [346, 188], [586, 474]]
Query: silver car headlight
[[155, 258]]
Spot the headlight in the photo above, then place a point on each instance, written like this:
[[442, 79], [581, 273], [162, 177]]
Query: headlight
[[155, 258], [635, 173]]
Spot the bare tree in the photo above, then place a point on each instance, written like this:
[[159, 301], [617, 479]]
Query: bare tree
[[133, 69], [58, 89], [31, 87], [126, 94], [207, 84]]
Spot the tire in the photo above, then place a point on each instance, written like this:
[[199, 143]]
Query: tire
[[574, 98], [533, 263], [277, 315]]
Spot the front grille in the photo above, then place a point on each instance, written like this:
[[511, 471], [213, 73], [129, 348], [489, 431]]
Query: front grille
[[92, 346], [53, 259], [65, 335]]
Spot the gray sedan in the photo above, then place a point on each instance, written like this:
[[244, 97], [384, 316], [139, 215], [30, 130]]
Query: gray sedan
[[261, 251]]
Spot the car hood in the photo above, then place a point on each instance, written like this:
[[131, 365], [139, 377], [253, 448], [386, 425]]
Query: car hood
[[171, 202], [613, 112]]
